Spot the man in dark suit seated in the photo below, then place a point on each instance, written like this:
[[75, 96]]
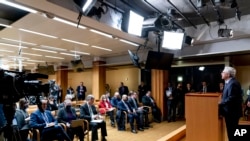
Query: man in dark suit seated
[[88, 112], [44, 121], [142, 113], [123, 105], [148, 100]]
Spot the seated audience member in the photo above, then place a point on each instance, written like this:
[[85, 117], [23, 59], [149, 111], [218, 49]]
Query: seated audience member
[[148, 100], [21, 117], [88, 112], [115, 99], [105, 107], [51, 105], [71, 92], [143, 114], [43, 120], [66, 115], [123, 105], [61, 105]]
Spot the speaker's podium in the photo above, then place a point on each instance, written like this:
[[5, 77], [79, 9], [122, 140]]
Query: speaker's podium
[[202, 117]]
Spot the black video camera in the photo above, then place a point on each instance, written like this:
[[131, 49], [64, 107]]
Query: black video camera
[[15, 85]]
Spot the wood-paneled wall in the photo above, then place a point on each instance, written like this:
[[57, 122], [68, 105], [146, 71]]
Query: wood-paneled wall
[[99, 79], [243, 76], [129, 76], [159, 80]]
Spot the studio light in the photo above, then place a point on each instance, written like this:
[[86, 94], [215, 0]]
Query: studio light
[[85, 5], [201, 3], [189, 40], [225, 33]]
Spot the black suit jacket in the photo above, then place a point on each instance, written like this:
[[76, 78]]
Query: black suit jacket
[[123, 90], [84, 111], [147, 102], [132, 104], [62, 115], [231, 102]]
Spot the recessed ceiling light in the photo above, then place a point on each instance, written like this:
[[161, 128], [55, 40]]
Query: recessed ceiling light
[[19, 41], [12, 45], [76, 42], [18, 6], [39, 61], [68, 22], [38, 33], [101, 33], [79, 52], [5, 25], [53, 48], [101, 48], [69, 54], [31, 54], [3, 50], [128, 42], [44, 50], [55, 57]]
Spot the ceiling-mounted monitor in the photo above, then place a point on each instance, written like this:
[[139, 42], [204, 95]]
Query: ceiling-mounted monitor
[[77, 65], [172, 40], [159, 60]]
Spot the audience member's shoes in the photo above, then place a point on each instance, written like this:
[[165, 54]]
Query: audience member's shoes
[[112, 124], [157, 121], [121, 129], [133, 131], [104, 139], [140, 129], [169, 120], [146, 127]]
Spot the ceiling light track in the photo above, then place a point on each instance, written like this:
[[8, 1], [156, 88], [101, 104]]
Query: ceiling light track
[[199, 13], [220, 19], [181, 14]]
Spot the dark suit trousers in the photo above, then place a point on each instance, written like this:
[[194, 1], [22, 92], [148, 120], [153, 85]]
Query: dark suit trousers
[[111, 115], [94, 126], [77, 130], [55, 132], [231, 123]]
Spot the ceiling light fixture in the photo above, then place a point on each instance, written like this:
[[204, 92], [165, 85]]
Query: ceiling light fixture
[[38, 33], [225, 33], [68, 22], [18, 6], [44, 50], [3, 50], [28, 63], [101, 48], [53, 48], [189, 40], [5, 25], [19, 41], [18, 57], [69, 54], [38, 61], [128, 42], [55, 57], [12, 45], [101, 33], [76, 42], [79, 52], [31, 54]]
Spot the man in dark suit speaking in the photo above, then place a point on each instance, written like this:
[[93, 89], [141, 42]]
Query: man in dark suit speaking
[[230, 106]]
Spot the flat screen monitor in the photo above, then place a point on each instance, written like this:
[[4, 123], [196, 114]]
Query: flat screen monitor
[[77, 65], [159, 60], [48, 70], [172, 40]]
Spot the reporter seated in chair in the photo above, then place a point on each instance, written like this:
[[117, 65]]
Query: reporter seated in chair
[[51, 105], [106, 108], [88, 112], [48, 127], [123, 105], [142, 113], [21, 117], [66, 115]]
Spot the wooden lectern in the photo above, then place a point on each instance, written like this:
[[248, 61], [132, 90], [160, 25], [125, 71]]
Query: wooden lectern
[[202, 117]]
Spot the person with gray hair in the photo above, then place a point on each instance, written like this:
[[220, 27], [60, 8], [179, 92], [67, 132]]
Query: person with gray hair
[[230, 106], [88, 111]]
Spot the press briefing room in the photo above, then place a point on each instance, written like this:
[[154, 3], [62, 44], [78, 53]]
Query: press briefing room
[[125, 70]]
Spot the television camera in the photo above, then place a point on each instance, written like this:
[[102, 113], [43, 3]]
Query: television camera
[[14, 86]]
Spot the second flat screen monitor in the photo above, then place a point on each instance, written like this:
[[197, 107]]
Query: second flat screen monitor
[[159, 60]]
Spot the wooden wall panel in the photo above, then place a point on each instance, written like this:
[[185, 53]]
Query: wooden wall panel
[[99, 79], [62, 80], [159, 80], [129, 76]]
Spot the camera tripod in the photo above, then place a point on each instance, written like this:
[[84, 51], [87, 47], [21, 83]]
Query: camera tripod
[[11, 133]]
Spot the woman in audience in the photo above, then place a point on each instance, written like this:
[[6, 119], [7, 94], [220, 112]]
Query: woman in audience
[[105, 107], [66, 115]]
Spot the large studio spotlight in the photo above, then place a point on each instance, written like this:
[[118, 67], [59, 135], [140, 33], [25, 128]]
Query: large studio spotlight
[[225, 33], [85, 5]]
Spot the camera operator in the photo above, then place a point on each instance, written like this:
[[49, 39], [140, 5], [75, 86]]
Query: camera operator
[[44, 121]]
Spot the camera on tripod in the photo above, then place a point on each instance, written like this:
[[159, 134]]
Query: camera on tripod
[[15, 85]]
